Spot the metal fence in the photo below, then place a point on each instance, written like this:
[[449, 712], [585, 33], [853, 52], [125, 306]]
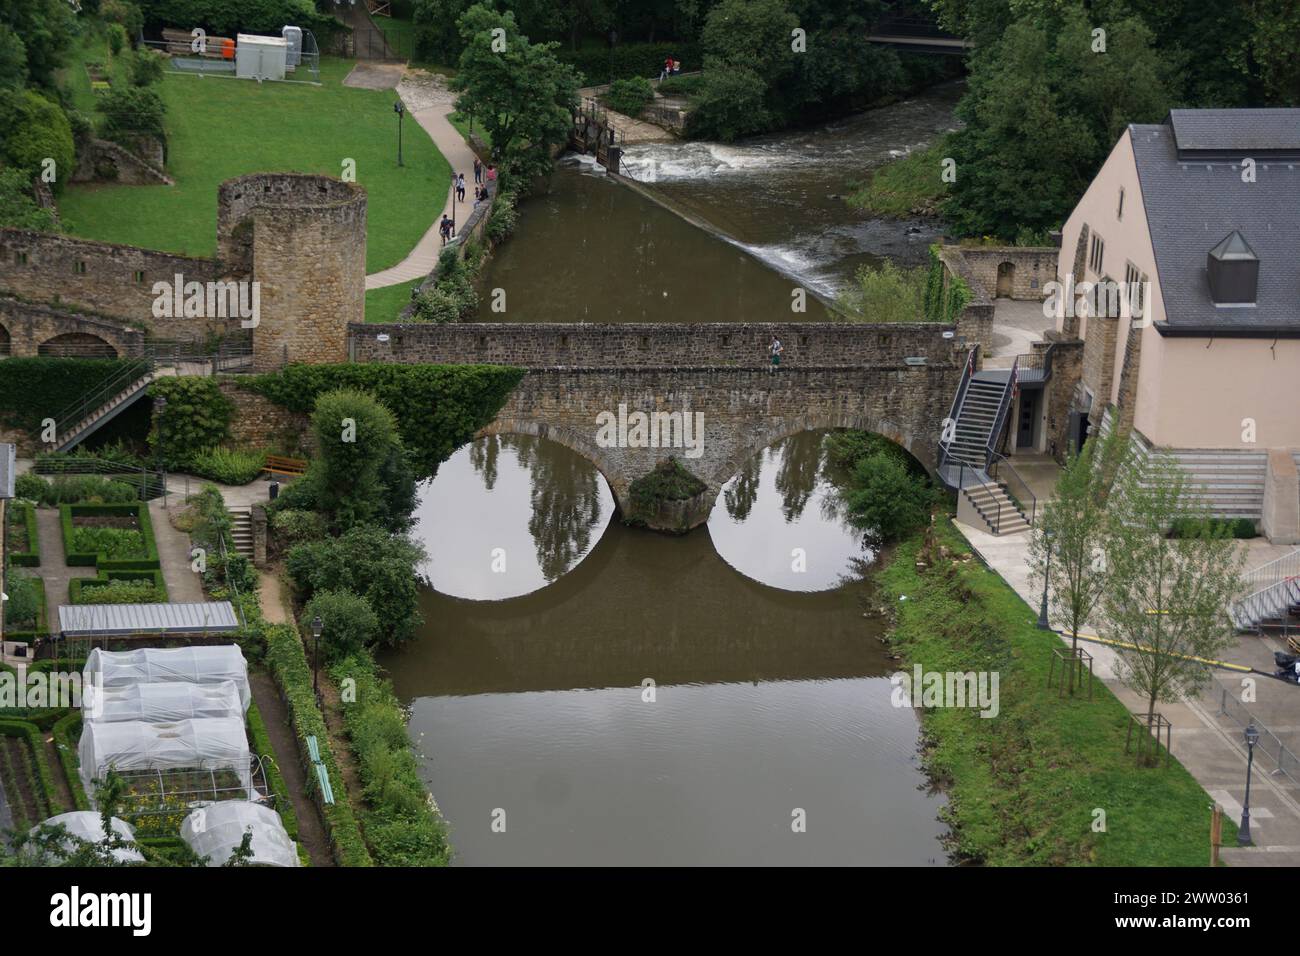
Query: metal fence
[[1270, 747], [217, 56], [147, 482]]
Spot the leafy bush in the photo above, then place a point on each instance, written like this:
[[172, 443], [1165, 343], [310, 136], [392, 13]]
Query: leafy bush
[[504, 218], [438, 407], [230, 466], [227, 17], [74, 489], [886, 293], [117, 38], [668, 481], [681, 85], [120, 11], [294, 526], [22, 610], [730, 104], [32, 487], [887, 500], [629, 96], [35, 129], [146, 67], [129, 112], [24, 540], [369, 561], [348, 625], [195, 419], [118, 591], [113, 543], [402, 827], [18, 206], [1214, 527], [436, 305]]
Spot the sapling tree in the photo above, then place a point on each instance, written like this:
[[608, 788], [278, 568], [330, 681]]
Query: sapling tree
[[1165, 598], [1066, 547]]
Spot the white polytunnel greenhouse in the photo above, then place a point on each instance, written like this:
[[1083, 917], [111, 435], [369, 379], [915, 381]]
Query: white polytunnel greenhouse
[[204, 743], [89, 826], [163, 702], [215, 831], [151, 665]]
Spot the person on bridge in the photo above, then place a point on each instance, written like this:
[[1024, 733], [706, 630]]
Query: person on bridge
[[775, 350]]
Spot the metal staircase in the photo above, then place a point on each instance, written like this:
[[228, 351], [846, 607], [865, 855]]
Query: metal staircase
[[1272, 596], [101, 405]]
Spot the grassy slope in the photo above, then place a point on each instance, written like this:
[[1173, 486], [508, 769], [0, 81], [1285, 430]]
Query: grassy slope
[[221, 127], [383, 305], [1023, 785], [905, 186]]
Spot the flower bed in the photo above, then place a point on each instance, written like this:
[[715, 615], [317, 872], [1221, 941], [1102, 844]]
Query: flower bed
[[105, 547]]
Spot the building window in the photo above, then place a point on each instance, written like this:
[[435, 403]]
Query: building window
[[139, 276], [1095, 255], [1135, 287], [22, 258], [81, 267], [1119, 214]]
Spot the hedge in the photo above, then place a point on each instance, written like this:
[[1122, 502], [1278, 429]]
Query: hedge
[[24, 512], [438, 407], [90, 559], [77, 585], [23, 728], [42, 617], [262, 746], [288, 663], [33, 389], [66, 734]]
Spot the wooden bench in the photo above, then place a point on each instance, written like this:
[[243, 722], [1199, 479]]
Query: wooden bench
[[279, 465]]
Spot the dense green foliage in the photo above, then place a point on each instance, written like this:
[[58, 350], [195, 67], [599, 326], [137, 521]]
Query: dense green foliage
[[118, 591], [438, 407], [629, 96], [522, 94], [400, 824], [18, 206], [34, 36], [886, 293], [129, 112], [72, 489], [229, 466], [228, 17], [1022, 789], [911, 185], [33, 389], [348, 625], [35, 129], [233, 576], [886, 499], [667, 481], [23, 604], [288, 662], [373, 563], [195, 419], [452, 296], [24, 541]]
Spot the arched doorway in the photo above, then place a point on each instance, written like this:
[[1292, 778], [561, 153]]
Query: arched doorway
[[1006, 279], [76, 345]]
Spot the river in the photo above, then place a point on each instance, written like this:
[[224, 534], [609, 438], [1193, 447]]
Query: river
[[586, 693]]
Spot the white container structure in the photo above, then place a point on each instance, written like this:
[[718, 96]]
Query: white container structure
[[148, 665], [259, 57], [89, 826], [293, 37], [205, 743], [161, 703], [215, 831]]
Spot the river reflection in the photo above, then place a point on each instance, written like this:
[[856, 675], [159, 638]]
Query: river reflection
[[800, 539], [765, 700]]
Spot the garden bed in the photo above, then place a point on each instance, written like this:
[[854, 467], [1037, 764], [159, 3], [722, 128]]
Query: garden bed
[[22, 542], [128, 545]]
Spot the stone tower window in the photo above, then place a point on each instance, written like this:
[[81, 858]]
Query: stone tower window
[[139, 276], [80, 268], [22, 258]]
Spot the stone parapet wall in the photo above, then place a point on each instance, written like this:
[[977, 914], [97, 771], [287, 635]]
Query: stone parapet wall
[[635, 345], [1032, 268]]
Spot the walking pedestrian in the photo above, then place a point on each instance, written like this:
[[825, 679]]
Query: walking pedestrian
[[478, 170], [444, 228], [460, 187], [775, 350]]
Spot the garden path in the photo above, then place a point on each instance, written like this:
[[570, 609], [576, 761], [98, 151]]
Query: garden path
[[430, 104]]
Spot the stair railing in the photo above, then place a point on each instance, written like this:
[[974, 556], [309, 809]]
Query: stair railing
[[968, 373], [96, 398], [1017, 487], [1004, 408], [1257, 584]]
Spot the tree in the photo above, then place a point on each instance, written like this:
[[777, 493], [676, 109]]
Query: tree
[[1042, 113], [45, 28], [885, 498], [522, 95], [1165, 598], [18, 207], [129, 112], [33, 131], [886, 293], [349, 625], [1066, 548], [360, 474]]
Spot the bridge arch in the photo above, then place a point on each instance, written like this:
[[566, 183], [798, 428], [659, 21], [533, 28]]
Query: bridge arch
[[77, 345], [571, 439]]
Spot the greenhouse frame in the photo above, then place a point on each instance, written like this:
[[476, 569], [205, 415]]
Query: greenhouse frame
[[216, 831], [161, 702], [201, 664], [206, 744]]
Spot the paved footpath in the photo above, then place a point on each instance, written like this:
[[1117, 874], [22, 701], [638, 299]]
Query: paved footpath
[[430, 104], [1208, 742]]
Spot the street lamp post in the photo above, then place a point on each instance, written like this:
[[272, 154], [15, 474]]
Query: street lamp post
[[161, 405], [1043, 623], [1252, 738], [400, 110], [317, 627]]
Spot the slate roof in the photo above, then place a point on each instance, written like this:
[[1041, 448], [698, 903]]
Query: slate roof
[[1194, 202]]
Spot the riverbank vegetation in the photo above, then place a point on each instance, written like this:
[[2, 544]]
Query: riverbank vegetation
[[885, 490], [1046, 781], [885, 293], [911, 185]]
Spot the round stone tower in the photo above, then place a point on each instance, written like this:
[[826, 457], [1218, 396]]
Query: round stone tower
[[302, 239]]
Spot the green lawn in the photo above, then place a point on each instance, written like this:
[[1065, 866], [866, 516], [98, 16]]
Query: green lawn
[[92, 46], [221, 127], [1024, 786], [383, 305]]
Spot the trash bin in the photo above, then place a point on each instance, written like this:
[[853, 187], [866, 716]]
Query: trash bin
[[275, 489]]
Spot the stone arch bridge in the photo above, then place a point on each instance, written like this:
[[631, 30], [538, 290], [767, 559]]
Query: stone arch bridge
[[895, 380]]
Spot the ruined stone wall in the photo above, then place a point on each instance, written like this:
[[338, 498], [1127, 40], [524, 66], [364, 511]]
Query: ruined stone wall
[[102, 277], [25, 327], [637, 345], [1067, 367], [258, 422], [975, 321], [304, 237], [1032, 268]]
